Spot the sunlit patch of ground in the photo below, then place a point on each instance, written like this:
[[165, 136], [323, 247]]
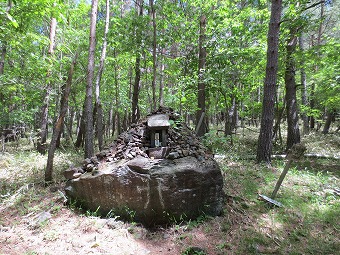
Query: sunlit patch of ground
[[307, 224]]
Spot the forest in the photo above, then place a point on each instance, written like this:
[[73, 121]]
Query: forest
[[252, 78]]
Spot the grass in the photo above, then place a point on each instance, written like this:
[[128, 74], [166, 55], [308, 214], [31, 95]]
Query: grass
[[308, 223]]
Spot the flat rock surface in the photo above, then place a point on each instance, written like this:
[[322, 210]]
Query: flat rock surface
[[152, 191], [154, 185]]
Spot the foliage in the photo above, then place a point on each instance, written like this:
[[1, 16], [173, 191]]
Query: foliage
[[307, 224], [236, 46]]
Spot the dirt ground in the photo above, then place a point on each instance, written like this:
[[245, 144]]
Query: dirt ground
[[62, 230]]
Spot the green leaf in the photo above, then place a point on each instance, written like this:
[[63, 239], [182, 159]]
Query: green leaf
[[13, 21]]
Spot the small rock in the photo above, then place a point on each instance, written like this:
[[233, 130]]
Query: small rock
[[139, 164], [114, 224], [87, 161], [76, 175], [173, 155], [94, 160], [4, 229], [40, 219], [69, 173], [89, 167]]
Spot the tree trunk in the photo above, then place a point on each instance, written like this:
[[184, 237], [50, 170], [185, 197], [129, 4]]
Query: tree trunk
[[60, 121], [277, 129], [4, 47], [330, 116], [201, 112], [136, 86], [88, 117], [161, 81], [3, 56], [98, 105], [304, 100], [81, 130], [293, 132], [41, 144], [230, 118], [316, 68], [154, 54], [117, 89], [70, 123], [264, 148]]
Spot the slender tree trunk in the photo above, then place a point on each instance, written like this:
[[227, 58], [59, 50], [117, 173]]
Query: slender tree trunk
[[161, 81], [154, 54], [3, 56], [304, 100], [316, 68], [112, 126], [264, 148], [277, 129], [329, 118], [201, 127], [70, 123], [136, 86], [81, 132], [88, 117], [293, 132], [60, 121], [230, 118], [41, 144], [3, 43], [98, 105]]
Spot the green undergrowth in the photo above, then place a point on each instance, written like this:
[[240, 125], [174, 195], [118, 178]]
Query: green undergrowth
[[22, 187], [308, 222]]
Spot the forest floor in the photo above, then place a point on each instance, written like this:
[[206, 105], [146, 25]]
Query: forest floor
[[35, 220]]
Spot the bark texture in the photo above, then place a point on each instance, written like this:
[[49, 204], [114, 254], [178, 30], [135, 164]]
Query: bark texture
[[136, 86], [98, 105], [304, 100], [60, 121], [264, 149], [88, 115], [41, 144], [154, 54], [293, 132], [201, 127]]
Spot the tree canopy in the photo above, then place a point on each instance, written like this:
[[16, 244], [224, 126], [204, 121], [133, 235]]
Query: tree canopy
[[159, 41]]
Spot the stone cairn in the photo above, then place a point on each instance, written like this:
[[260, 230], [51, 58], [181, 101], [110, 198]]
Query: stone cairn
[[181, 142], [158, 169]]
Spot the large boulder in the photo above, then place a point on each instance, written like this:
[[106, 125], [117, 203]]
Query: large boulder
[[147, 184], [152, 191]]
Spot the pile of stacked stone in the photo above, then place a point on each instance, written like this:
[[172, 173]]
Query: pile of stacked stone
[[181, 142], [157, 169]]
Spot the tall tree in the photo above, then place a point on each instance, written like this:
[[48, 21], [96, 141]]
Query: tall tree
[[60, 121], [89, 150], [41, 144], [154, 53], [136, 85], [161, 80], [3, 43], [316, 68], [303, 79], [330, 116], [201, 127], [264, 147], [293, 132], [98, 105]]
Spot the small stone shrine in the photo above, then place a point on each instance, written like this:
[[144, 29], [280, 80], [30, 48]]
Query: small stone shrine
[[154, 173]]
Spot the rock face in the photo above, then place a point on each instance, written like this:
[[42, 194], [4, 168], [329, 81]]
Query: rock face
[[182, 182]]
